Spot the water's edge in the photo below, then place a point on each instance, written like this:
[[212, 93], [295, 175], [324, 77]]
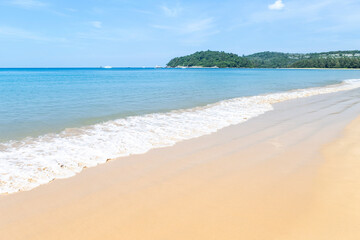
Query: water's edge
[[31, 162]]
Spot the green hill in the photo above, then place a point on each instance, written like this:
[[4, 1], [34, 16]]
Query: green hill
[[274, 59], [211, 59], [334, 59]]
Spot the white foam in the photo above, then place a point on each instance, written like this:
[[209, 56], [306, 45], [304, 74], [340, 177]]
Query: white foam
[[31, 162]]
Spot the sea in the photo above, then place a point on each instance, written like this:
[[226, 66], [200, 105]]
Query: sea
[[54, 122]]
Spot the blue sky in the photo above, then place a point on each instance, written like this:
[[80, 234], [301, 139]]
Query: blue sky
[[60, 33]]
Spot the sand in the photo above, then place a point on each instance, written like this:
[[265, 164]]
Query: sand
[[292, 173], [335, 210]]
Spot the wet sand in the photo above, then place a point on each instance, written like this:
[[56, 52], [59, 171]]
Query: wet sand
[[291, 173]]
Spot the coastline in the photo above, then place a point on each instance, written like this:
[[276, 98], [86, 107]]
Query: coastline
[[215, 67], [32, 163], [218, 186]]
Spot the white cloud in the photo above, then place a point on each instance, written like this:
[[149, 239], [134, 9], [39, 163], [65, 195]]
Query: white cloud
[[171, 12], [277, 5], [28, 3], [96, 24]]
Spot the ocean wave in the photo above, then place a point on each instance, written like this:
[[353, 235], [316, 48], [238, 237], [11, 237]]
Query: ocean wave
[[31, 162]]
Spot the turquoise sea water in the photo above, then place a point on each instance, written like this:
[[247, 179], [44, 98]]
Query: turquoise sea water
[[38, 101], [55, 122]]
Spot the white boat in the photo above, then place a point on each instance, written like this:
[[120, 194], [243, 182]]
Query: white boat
[[108, 67]]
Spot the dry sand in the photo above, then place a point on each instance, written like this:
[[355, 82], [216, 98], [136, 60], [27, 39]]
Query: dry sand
[[289, 174]]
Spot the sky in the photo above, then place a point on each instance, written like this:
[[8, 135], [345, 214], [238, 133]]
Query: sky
[[92, 33]]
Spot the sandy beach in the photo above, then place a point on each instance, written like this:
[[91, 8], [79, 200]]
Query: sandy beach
[[292, 173]]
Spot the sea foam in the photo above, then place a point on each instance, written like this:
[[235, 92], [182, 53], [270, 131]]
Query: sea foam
[[31, 162]]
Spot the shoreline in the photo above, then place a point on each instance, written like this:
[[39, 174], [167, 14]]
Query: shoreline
[[215, 67], [218, 186], [179, 67], [99, 138]]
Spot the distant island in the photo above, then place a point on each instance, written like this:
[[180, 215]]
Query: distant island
[[217, 59]]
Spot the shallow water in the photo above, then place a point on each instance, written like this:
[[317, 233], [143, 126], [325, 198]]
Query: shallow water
[[38, 101], [55, 122]]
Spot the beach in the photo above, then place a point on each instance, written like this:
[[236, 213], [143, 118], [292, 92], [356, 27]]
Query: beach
[[179, 120], [73, 123], [290, 173]]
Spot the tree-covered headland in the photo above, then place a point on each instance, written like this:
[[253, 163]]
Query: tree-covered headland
[[211, 59], [336, 59]]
